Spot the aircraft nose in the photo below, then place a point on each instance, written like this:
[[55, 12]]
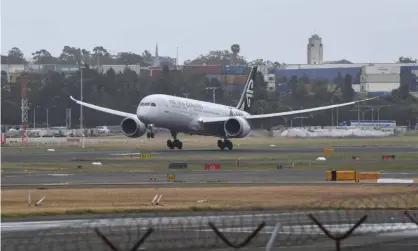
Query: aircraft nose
[[140, 112], [144, 114]]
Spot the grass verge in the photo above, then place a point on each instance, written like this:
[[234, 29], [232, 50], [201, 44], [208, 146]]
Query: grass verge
[[125, 200], [200, 142], [264, 161]]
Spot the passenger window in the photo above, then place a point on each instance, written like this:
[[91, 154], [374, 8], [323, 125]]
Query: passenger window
[[153, 104], [146, 104]]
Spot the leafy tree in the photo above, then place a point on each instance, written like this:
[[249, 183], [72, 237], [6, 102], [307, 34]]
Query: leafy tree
[[267, 63], [101, 56], [128, 58], [347, 89], [43, 57], [71, 55], [217, 57], [124, 90], [14, 56], [406, 60]]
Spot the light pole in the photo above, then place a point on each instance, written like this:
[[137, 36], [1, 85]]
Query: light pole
[[81, 96], [358, 111], [81, 107], [367, 111], [378, 108], [68, 118], [34, 117], [47, 116], [301, 120], [213, 92]]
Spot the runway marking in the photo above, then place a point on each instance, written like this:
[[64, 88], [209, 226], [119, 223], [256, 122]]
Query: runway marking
[[127, 154], [59, 174]]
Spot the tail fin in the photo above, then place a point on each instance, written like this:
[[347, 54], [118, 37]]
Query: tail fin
[[246, 99]]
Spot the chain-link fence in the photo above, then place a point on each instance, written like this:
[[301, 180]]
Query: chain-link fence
[[311, 224]]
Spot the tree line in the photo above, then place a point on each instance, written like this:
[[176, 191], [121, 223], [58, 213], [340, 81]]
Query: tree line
[[124, 90]]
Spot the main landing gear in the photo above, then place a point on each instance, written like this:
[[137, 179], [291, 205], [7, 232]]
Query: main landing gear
[[150, 134], [226, 143], [176, 143]]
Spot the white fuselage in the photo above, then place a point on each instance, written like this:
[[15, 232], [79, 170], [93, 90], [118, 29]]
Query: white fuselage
[[180, 114]]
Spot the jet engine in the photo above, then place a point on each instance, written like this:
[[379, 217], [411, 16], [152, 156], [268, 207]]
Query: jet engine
[[132, 127], [237, 127]]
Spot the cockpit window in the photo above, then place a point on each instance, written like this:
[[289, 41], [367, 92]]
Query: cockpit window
[[147, 104]]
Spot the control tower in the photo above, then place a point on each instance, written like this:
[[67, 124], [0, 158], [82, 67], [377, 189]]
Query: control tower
[[315, 50]]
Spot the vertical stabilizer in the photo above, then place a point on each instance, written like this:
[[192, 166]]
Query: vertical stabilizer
[[246, 99]]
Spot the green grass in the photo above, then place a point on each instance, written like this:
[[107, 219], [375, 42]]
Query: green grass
[[302, 161], [190, 209], [196, 142]]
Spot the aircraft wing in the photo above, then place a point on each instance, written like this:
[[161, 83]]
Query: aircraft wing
[[103, 109], [281, 114]]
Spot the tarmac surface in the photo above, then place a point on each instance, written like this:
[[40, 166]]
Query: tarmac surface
[[11, 179], [381, 230], [71, 155], [188, 178]]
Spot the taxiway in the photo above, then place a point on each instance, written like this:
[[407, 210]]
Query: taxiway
[[183, 178], [73, 155]]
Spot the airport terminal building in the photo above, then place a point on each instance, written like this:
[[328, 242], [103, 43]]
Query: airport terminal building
[[370, 79]]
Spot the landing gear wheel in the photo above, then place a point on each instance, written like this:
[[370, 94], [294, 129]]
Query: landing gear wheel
[[152, 135], [170, 144], [178, 144], [222, 144], [173, 144], [148, 135], [229, 145]]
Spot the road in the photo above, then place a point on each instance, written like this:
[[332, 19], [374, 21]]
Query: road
[[382, 230]]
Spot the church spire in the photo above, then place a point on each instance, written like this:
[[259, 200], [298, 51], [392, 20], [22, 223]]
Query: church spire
[[156, 57]]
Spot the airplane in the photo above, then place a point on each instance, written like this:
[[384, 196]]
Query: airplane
[[195, 117]]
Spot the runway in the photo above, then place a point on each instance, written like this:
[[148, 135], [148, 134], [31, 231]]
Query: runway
[[191, 231], [72, 155], [382, 231], [183, 178]]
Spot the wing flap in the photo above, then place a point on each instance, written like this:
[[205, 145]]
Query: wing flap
[[103, 109]]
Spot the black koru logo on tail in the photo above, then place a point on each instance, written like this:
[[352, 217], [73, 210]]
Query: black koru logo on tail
[[249, 93]]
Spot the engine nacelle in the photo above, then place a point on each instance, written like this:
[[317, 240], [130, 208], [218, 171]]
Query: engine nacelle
[[237, 127], [132, 127]]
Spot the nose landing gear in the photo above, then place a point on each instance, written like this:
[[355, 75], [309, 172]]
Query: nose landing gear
[[150, 134]]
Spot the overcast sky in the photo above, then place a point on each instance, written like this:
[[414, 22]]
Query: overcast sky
[[278, 30]]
